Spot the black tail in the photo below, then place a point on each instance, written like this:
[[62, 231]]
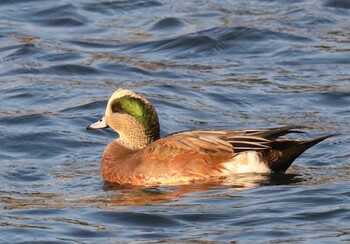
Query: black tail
[[283, 152]]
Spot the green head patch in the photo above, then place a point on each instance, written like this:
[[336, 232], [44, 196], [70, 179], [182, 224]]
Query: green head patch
[[135, 107]]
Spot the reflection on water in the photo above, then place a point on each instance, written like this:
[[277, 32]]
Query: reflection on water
[[135, 196], [238, 64]]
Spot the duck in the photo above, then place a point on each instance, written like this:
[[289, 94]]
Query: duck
[[141, 157]]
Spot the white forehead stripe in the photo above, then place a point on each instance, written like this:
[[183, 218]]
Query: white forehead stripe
[[123, 92]]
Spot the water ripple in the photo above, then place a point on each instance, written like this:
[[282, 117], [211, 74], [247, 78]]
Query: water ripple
[[337, 4], [217, 40], [113, 7], [222, 64]]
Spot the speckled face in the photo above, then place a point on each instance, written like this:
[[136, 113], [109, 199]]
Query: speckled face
[[132, 116], [133, 106]]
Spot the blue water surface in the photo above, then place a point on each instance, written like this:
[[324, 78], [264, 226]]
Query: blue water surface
[[223, 64]]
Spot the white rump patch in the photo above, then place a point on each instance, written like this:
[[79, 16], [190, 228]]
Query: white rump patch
[[246, 162]]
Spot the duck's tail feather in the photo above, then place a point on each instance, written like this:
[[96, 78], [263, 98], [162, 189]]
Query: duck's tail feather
[[283, 152], [274, 133]]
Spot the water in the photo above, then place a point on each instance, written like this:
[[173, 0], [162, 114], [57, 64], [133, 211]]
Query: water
[[238, 64]]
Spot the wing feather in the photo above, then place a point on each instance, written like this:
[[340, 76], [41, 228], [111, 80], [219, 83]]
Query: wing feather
[[226, 141]]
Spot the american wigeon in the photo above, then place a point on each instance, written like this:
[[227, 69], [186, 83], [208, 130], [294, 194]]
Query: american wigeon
[[140, 157]]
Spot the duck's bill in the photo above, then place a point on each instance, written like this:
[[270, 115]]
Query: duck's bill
[[101, 124]]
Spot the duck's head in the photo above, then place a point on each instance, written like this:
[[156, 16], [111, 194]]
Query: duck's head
[[132, 117]]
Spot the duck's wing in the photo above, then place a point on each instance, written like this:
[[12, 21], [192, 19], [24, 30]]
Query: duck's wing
[[194, 155], [187, 141], [205, 152], [268, 133], [215, 141]]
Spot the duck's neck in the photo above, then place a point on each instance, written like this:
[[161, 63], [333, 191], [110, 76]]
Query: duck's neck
[[134, 143], [138, 137]]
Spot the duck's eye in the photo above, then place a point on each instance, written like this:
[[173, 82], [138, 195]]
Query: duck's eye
[[116, 108]]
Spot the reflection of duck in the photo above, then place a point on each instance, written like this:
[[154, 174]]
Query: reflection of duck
[[140, 157], [123, 195]]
